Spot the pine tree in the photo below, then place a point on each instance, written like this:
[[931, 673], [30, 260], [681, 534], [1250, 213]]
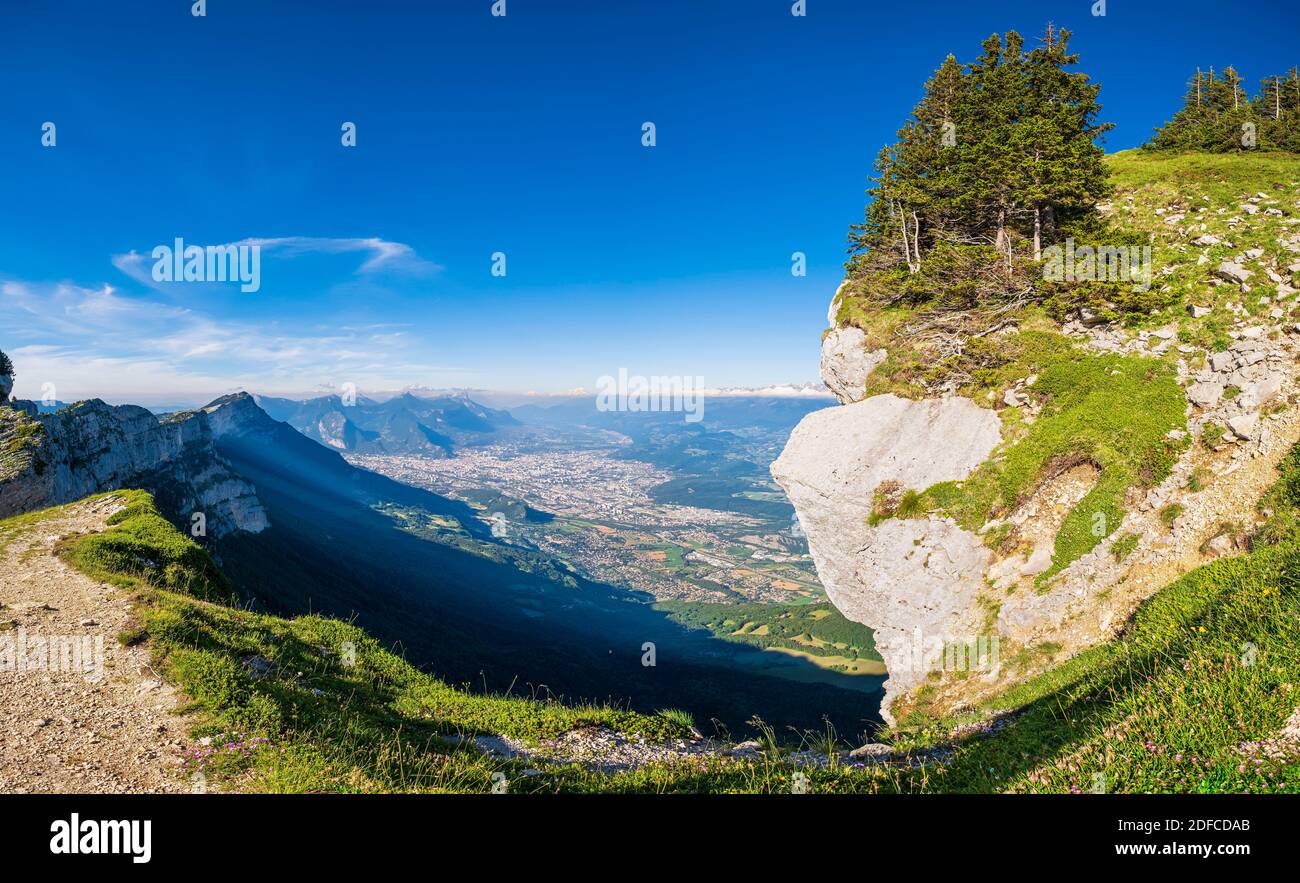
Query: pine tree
[[1270, 97], [993, 175], [6, 366], [995, 152], [1064, 170], [1217, 112], [1232, 81], [914, 178]]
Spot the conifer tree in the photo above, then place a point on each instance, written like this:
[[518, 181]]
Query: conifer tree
[[1064, 170], [996, 152]]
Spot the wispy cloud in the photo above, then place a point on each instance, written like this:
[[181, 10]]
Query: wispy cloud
[[380, 255]]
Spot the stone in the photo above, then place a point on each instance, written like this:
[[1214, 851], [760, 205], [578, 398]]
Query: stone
[[902, 575], [846, 363], [1198, 312], [872, 749], [1265, 390], [1206, 239], [1232, 272], [1220, 546], [1244, 426], [833, 310], [1205, 395], [1222, 362], [1039, 560]]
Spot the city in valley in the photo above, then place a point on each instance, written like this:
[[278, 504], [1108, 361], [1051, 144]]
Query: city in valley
[[607, 523]]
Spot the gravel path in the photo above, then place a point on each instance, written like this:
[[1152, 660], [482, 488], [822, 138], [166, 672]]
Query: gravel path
[[104, 726]]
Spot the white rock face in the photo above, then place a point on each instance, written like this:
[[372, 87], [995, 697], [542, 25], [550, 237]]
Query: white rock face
[[834, 307], [914, 581], [846, 363], [91, 447]]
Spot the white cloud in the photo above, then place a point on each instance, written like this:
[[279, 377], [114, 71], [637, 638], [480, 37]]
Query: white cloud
[[98, 342], [381, 255]]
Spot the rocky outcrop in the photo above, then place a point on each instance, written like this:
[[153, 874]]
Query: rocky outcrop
[[91, 447], [914, 581], [846, 363]]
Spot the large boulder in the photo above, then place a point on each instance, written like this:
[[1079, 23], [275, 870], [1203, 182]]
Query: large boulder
[[914, 581], [846, 363]]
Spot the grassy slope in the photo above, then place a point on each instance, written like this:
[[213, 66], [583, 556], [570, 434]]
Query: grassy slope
[[1113, 411], [1208, 188]]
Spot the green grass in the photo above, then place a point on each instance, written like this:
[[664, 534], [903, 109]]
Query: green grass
[[1108, 410], [141, 549], [1124, 546], [1198, 186], [815, 629]]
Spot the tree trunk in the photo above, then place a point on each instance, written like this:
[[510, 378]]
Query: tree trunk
[[916, 239], [1038, 231], [907, 247]]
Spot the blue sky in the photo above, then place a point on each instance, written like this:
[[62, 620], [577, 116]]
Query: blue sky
[[477, 135]]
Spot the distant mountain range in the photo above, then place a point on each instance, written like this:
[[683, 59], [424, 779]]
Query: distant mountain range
[[404, 424]]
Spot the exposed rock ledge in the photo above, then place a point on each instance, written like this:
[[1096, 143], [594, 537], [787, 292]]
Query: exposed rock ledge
[[846, 363], [92, 447], [925, 584], [914, 582]]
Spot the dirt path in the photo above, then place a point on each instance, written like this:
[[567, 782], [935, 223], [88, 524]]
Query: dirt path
[[67, 727]]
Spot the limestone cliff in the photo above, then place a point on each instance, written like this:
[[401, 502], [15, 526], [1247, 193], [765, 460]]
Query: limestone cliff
[[977, 565], [902, 577], [92, 447]]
